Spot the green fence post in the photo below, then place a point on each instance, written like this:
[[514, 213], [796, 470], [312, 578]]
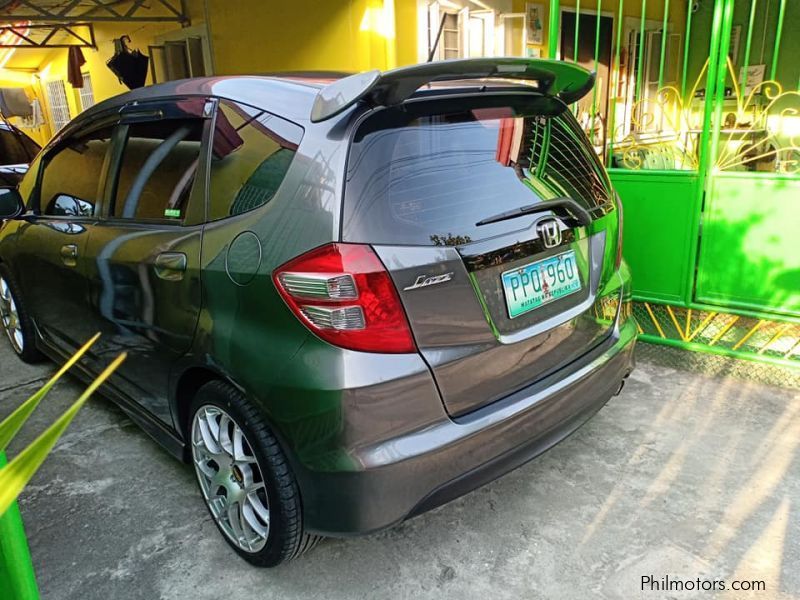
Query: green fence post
[[746, 60], [724, 41], [687, 36], [552, 34], [16, 569], [612, 111], [776, 52], [640, 50], [596, 63], [577, 29], [664, 44], [703, 159]]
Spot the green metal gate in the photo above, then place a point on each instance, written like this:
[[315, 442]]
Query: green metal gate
[[697, 117]]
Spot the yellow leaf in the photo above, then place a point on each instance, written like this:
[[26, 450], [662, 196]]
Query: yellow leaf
[[15, 476], [14, 422]]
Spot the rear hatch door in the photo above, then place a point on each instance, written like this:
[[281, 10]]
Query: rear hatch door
[[495, 301]]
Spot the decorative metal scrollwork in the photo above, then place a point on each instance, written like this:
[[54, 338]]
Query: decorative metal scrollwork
[[771, 139], [663, 131]]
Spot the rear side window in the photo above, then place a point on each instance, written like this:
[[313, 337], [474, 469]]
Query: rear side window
[[159, 165], [251, 154], [428, 179], [71, 175]]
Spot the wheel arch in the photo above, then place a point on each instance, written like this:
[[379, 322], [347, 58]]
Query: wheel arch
[[187, 383], [186, 386]]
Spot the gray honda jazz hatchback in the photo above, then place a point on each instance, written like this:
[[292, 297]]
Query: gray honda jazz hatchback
[[344, 301]]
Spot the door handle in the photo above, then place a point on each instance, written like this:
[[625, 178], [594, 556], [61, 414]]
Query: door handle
[[170, 266], [69, 255]]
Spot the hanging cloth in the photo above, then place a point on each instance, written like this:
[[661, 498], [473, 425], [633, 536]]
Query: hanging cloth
[[130, 66], [75, 61], [35, 119], [14, 103]]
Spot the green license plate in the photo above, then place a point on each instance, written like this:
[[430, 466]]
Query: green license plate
[[538, 283]]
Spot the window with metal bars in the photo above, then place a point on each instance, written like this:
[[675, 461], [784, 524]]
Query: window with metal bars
[[86, 92], [451, 36], [57, 100]]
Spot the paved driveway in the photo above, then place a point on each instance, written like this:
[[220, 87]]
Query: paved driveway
[[681, 475]]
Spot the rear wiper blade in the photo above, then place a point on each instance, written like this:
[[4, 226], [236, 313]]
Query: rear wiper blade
[[563, 207]]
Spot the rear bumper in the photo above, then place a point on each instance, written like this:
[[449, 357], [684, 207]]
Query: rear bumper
[[407, 475]]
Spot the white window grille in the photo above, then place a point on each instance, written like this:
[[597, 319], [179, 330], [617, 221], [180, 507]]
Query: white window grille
[[57, 99], [451, 36], [86, 92]]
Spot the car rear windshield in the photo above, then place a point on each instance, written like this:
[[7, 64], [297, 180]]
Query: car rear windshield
[[427, 179]]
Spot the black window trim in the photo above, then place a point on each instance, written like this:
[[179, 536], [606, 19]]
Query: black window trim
[[106, 119], [206, 158], [150, 111], [232, 102]]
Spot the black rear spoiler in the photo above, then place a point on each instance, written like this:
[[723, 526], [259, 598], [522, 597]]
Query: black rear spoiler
[[565, 80]]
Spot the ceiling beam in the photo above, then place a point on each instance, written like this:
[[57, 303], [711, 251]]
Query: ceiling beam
[[78, 34], [97, 11]]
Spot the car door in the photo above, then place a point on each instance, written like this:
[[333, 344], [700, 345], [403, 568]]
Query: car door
[[50, 260], [143, 272]]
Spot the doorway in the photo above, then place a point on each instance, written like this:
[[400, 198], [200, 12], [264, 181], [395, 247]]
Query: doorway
[[592, 110]]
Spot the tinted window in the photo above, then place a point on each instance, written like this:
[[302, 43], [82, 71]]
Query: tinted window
[[159, 164], [429, 179], [252, 152], [12, 152], [73, 172]]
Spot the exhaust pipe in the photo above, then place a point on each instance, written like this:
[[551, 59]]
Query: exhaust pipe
[[622, 384]]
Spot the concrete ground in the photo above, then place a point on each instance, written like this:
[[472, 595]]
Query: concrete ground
[[682, 475]]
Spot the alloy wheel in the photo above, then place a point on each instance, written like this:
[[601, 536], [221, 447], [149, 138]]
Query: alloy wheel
[[230, 478], [9, 316]]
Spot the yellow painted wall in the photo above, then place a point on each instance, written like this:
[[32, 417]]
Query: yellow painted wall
[[54, 66], [104, 83], [406, 31], [247, 36], [345, 35]]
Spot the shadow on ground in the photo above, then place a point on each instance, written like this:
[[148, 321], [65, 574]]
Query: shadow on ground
[[683, 474]]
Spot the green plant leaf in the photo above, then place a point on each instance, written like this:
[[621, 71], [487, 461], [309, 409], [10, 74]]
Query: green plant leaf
[[15, 476], [14, 422]]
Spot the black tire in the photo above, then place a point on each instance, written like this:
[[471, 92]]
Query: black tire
[[29, 353], [286, 538]]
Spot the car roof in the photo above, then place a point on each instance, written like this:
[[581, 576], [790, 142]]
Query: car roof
[[288, 96]]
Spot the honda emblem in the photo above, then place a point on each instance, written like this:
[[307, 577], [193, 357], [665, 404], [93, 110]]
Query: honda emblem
[[549, 232]]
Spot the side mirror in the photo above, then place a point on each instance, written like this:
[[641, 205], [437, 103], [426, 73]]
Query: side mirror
[[11, 204]]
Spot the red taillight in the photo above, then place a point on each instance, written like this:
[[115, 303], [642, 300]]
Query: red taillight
[[343, 293], [618, 261]]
